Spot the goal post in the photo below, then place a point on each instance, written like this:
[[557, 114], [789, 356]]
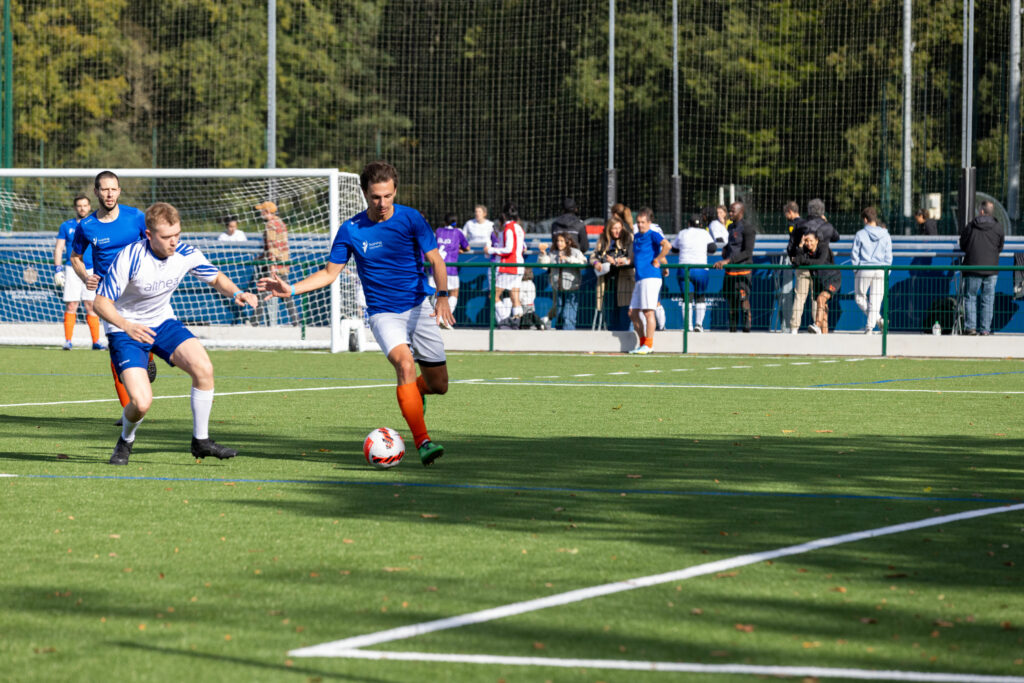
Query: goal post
[[312, 203]]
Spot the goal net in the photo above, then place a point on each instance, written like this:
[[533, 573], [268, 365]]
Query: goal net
[[311, 203]]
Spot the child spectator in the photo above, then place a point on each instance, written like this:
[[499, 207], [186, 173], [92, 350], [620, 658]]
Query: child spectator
[[565, 282], [528, 297]]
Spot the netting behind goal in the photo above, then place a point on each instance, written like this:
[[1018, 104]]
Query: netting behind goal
[[32, 207]]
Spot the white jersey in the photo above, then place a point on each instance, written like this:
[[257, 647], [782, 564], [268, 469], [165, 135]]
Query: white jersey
[[692, 244], [718, 231], [140, 284], [478, 234], [237, 236]]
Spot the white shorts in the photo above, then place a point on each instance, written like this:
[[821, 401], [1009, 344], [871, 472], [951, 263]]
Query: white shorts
[[509, 281], [416, 327], [74, 288], [645, 294], [453, 282]]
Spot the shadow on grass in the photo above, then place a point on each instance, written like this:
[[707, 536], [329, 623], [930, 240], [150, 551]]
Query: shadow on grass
[[241, 661]]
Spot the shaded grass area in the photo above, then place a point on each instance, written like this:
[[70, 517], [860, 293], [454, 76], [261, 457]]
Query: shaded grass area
[[543, 490]]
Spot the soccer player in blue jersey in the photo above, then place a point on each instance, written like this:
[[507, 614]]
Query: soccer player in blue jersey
[[64, 276], [134, 301], [107, 230], [386, 241], [649, 249]]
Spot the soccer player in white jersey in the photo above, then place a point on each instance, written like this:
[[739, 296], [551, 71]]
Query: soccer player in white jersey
[[134, 301], [386, 241]]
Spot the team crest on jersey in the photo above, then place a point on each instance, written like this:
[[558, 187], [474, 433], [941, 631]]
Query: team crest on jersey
[[365, 245]]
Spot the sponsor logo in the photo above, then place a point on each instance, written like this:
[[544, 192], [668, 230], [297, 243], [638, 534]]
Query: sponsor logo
[[126, 360], [160, 285], [372, 245]]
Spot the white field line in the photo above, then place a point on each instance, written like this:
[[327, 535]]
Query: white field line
[[683, 667], [332, 649], [588, 385]]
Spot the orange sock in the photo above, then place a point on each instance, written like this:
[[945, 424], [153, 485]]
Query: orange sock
[[421, 384], [69, 325], [643, 341], [649, 342], [94, 327], [410, 400], [122, 393]]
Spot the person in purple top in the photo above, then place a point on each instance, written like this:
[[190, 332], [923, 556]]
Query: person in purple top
[[450, 243]]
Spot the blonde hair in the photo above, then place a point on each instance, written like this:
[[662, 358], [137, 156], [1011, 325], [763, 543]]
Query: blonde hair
[[161, 212]]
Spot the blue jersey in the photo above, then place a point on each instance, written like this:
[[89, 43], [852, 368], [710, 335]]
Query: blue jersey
[[107, 239], [646, 245], [387, 256], [67, 233]]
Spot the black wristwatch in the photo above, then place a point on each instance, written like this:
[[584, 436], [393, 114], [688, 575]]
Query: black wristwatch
[[441, 292]]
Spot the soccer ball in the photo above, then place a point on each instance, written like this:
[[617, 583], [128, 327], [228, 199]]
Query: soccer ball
[[383, 448]]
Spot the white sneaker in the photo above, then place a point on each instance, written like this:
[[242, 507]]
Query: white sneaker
[[814, 329], [644, 350], [698, 328], [793, 330]]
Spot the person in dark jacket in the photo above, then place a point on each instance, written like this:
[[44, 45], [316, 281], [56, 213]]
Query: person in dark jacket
[[981, 240], [738, 250], [571, 224], [801, 278], [926, 225], [826, 281]]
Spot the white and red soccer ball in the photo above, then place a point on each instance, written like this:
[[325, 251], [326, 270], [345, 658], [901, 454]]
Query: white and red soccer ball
[[384, 448]]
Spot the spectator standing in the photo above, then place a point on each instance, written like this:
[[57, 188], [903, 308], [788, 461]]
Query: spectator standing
[[826, 232], [565, 282], [510, 252], [718, 225], [817, 222], [569, 223], [981, 240], [925, 224], [231, 232], [450, 243], [649, 249], [694, 243], [276, 254], [739, 250], [826, 282], [872, 246], [478, 229], [612, 260], [625, 215], [74, 289]]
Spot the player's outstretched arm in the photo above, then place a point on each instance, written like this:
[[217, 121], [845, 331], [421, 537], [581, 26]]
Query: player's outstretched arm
[[223, 284], [275, 286], [105, 309]]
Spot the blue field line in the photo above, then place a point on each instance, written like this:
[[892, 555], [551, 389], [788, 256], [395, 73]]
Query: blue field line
[[532, 489], [919, 379]]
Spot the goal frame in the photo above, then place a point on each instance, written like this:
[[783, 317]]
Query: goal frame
[[338, 336]]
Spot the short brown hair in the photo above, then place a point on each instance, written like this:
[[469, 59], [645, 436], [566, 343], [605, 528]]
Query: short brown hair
[[161, 212], [792, 207], [870, 214], [377, 172]]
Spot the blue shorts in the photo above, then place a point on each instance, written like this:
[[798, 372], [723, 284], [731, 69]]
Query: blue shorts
[[125, 352], [698, 277]]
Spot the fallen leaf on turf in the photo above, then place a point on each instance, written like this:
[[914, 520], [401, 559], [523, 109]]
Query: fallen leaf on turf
[[746, 628], [839, 589], [634, 476], [696, 611], [115, 536], [868, 620], [618, 407], [809, 644], [347, 540], [726, 575], [324, 450], [788, 431], [538, 646], [395, 569], [1007, 626], [719, 653], [823, 431], [943, 623], [428, 515], [62, 456], [895, 576]]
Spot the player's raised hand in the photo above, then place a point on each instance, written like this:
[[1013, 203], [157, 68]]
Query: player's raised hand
[[247, 299], [274, 286], [140, 332]]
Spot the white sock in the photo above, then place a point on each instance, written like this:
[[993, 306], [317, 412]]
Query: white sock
[[698, 314], [517, 311], [202, 404], [453, 301], [128, 428]]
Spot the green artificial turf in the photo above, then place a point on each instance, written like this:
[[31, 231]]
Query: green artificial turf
[[561, 472]]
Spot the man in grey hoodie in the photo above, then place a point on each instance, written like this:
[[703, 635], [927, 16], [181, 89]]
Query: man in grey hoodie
[[981, 240], [872, 246]]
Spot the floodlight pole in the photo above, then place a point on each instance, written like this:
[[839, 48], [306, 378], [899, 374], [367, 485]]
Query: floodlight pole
[[1013, 120], [271, 83], [610, 184], [908, 89], [677, 190], [968, 172]]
